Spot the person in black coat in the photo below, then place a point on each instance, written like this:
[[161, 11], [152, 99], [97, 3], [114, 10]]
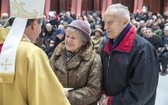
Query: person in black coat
[[163, 55], [153, 39], [54, 41], [130, 64]]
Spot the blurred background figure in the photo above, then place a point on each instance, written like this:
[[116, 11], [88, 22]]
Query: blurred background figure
[[163, 55], [4, 18], [97, 38]]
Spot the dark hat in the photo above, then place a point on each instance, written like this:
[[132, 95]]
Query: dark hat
[[82, 26], [59, 31]]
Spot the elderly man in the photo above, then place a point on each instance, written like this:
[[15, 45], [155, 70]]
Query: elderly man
[[130, 65], [26, 77]]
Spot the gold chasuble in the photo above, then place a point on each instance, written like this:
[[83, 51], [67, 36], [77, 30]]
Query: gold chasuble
[[34, 81]]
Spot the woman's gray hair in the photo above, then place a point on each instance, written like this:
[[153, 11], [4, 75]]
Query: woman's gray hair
[[82, 37], [120, 10]]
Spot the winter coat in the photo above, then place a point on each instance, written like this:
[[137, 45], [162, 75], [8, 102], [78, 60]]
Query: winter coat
[[130, 71], [156, 41], [82, 72]]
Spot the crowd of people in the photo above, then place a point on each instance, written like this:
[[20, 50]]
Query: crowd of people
[[89, 59], [151, 26]]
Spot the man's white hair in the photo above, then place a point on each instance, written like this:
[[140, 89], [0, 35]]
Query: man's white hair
[[120, 10]]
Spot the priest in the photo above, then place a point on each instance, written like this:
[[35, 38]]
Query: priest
[[26, 77]]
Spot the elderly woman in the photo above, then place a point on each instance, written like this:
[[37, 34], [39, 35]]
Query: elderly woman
[[77, 66]]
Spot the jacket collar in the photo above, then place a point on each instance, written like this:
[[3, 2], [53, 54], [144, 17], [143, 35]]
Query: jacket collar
[[125, 45]]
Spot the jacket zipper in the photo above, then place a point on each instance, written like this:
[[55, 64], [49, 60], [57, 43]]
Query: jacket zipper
[[108, 65], [108, 61]]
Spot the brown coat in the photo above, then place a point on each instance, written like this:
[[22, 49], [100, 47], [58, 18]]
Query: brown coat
[[83, 73]]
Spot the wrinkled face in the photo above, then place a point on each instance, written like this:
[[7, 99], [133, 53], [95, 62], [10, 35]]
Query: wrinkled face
[[113, 25], [72, 41]]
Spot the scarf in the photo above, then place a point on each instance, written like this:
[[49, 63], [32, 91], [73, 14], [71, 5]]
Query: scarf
[[115, 43], [69, 55]]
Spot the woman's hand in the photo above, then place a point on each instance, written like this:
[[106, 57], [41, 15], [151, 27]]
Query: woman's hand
[[66, 92], [103, 100]]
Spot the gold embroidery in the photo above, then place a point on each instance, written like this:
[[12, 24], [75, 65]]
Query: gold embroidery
[[6, 77], [6, 64], [18, 10]]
